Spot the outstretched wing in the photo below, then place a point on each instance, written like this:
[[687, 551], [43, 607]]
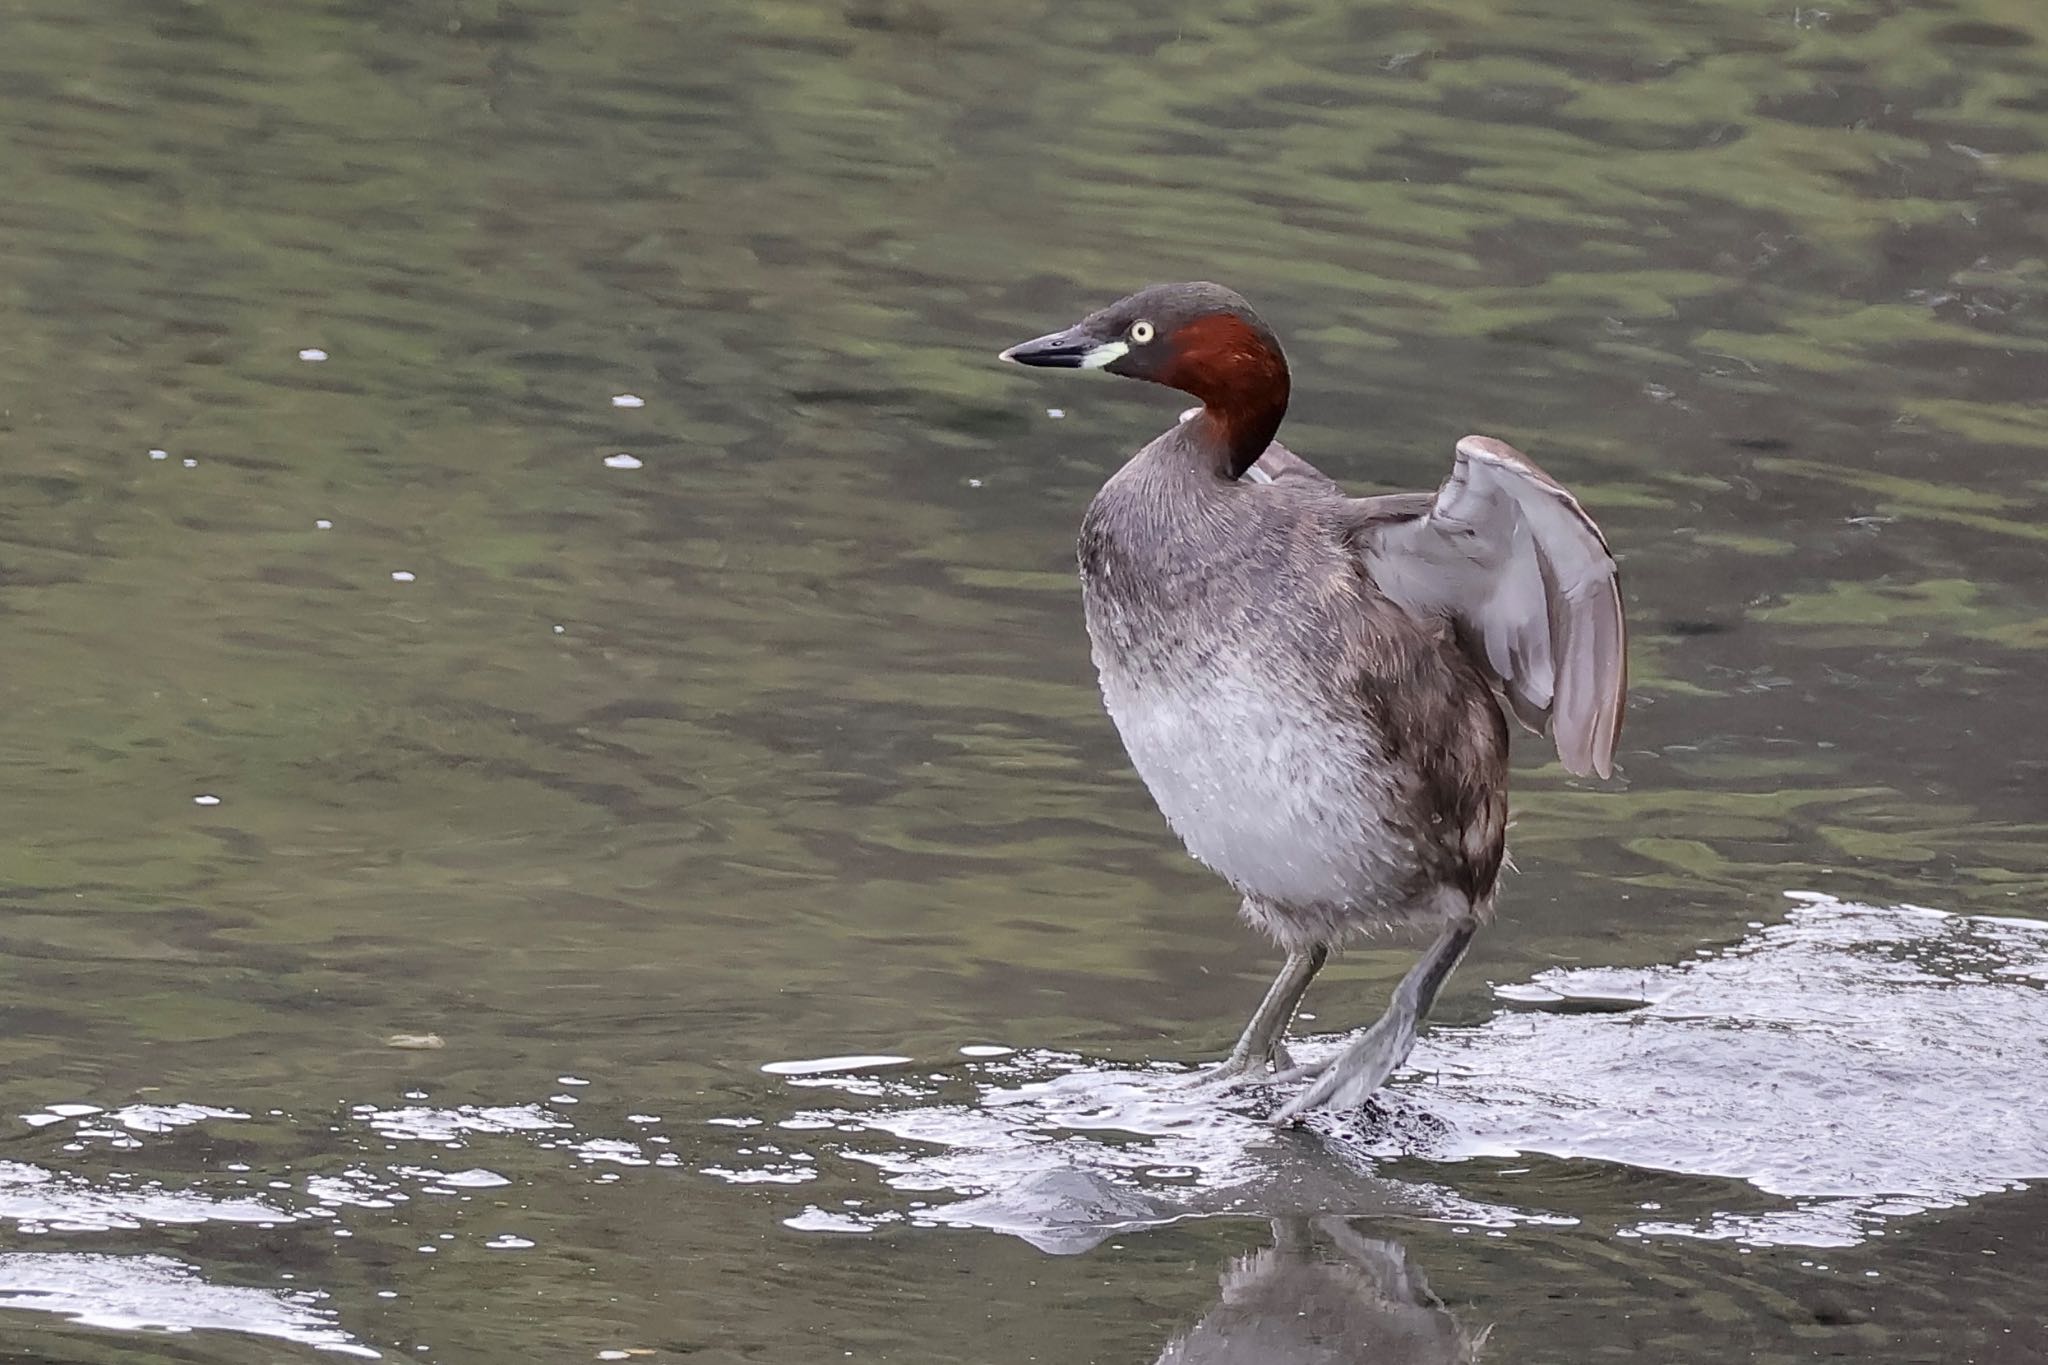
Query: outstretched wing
[[1511, 559]]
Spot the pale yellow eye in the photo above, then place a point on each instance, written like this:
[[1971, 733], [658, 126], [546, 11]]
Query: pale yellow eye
[[1141, 332]]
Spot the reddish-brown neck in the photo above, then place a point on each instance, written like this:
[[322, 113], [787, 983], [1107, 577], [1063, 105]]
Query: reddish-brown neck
[[1241, 378]]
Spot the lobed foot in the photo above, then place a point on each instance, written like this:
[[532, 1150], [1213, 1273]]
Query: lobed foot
[[1242, 1068], [1346, 1081]]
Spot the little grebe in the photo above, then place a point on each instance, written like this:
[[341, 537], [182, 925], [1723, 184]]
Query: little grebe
[[1312, 685]]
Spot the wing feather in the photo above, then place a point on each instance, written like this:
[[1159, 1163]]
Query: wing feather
[[1510, 557], [1280, 464]]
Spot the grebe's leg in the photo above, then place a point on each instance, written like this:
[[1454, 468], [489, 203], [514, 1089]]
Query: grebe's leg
[[1262, 1044], [1362, 1067]]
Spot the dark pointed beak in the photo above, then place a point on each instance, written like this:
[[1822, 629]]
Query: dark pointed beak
[[1068, 350]]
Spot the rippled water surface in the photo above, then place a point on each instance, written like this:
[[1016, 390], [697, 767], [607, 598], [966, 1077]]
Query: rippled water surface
[[557, 808]]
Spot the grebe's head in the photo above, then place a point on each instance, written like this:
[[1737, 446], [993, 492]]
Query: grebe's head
[[1189, 336], [1199, 338]]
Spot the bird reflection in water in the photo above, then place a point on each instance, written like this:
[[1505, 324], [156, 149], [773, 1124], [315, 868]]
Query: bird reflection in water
[[1325, 1294]]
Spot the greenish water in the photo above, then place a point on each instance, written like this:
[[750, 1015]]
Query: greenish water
[[783, 744]]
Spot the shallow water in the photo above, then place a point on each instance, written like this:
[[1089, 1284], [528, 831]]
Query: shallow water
[[448, 857]]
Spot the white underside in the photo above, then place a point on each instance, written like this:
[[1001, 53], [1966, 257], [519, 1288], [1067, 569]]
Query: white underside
[[1266, 792]]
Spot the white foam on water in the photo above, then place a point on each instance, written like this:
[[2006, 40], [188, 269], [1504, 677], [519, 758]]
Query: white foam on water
[[1851, 1065], [820, 1066], [156, 1293], [422, 1123], [36, 1199], [1856, 1059], [355, 1188], [162, 1118], [611, 1149]]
